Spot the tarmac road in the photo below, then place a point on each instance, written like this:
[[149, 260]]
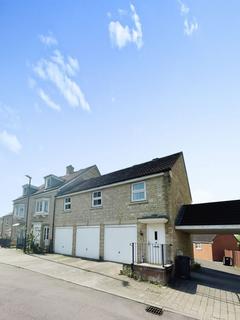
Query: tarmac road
[[28, 295]]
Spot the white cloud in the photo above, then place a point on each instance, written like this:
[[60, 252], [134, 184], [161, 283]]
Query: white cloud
[[122, 12], [59, 71], [9, 117], [183, 8], [10, 141], [121, 35], [48, 40], [31, 83], [48, 100], [190, 27]]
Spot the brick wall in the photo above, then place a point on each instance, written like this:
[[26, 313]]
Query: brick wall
[[203, 253], [221, 242]]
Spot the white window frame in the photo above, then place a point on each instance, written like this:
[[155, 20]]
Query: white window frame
[[25, 191], [67, 203], [198, 246], [48, 182], [137, 191], [42, 211], [17, 209], [96, 198], [46, 230]]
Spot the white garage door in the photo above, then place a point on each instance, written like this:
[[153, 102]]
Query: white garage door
[[117, 240], [87, 242], [63, 240]]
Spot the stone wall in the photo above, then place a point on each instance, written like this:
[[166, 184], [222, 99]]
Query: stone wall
[[179, 194], [117, 207]]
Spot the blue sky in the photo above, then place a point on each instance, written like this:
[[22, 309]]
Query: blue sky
[[115, 83]]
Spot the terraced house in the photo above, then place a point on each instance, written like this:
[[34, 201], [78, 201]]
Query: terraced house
[[99, 218], [19, 213], [42, 203]]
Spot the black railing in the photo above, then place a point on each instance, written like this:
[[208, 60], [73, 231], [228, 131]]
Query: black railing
[[152, 253], [20, 243]]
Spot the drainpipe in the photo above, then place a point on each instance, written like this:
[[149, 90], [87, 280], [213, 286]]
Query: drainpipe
[[28, 196], [53, 220], [2, 228]]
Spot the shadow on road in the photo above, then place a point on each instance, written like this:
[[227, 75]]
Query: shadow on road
[[211, 279]]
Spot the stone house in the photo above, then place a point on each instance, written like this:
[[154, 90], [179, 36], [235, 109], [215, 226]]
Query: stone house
[[6, 227], [1, 223], [19, 213], [100, 217], [42, 202]]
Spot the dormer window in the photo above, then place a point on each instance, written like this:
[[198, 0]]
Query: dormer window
[[52, 181], [48, 182], [25, 190]]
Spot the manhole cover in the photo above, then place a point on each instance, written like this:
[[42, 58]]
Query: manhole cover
[[154, 310]]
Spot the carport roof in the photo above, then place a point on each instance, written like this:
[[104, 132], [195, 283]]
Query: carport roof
[[212, 213]]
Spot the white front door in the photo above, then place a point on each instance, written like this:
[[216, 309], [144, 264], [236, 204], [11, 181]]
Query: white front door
[[88, 242], [156, 238], [37, 232]]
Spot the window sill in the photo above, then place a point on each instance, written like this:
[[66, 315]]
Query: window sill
[[98, 207], [66, 211], [138, 202], [38, 214]]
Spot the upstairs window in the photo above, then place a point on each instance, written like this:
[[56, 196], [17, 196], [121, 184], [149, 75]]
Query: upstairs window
[[138, 191], [67, 204], [48, 182], [19, 210], [198, 246], [25, 190], [97, 199], [42, 206]]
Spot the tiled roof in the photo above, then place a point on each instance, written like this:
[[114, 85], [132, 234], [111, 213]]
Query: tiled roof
[[154, 166], [212, 213], [66, 178]]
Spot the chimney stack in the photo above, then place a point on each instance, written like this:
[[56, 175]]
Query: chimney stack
[[69, 169]]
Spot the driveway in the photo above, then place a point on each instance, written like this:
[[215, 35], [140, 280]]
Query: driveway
[[202, 297]]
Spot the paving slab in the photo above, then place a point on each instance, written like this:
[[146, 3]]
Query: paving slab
[[194, 298]]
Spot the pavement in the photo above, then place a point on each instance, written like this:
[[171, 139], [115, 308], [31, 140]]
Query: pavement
[[26, 295], [206, 296]]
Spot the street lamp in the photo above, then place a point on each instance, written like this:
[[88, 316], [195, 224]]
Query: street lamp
[[28, 196]]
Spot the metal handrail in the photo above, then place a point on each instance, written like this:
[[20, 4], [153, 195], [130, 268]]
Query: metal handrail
[[153, 253]]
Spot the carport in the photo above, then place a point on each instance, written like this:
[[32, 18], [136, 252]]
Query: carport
[[211, 218], [214, 217]]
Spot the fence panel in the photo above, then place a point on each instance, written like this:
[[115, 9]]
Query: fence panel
[[236, 258]]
